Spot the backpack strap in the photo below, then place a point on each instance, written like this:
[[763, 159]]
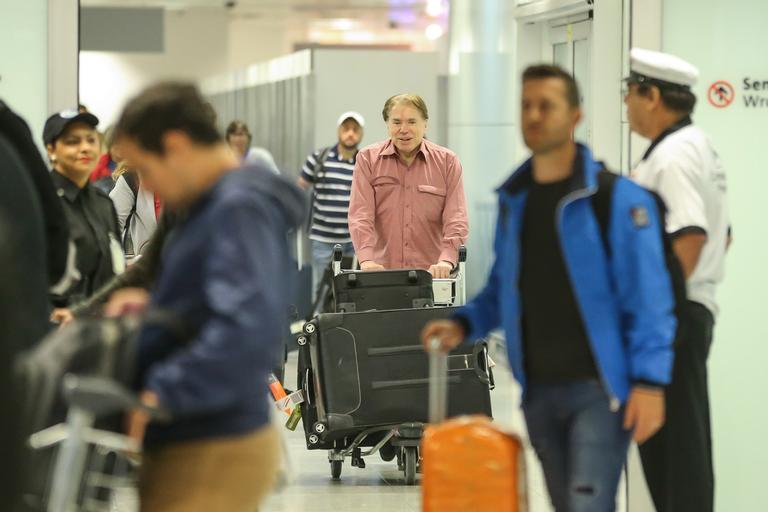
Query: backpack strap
[[319, 174], [602, 203]]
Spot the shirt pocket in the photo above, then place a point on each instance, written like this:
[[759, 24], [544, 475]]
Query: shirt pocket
[[386, 191], [431, 201]]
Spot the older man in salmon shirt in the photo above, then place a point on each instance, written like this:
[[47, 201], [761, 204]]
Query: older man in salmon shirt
[[407, 208]]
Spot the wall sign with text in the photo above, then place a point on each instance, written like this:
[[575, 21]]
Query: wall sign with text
[[752, 94]]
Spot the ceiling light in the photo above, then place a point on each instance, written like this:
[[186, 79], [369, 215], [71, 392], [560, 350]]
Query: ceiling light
[[342, 24], [434, 8], [359, 37], [434, 31]]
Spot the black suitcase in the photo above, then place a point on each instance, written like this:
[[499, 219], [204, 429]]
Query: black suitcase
[[380, 290], [369, 369]]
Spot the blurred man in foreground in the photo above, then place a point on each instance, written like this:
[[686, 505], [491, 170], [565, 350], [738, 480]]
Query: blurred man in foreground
[[224, 279]]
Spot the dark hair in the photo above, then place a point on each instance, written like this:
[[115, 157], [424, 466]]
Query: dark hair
[[164, 107], [542, 71], [237, 126], [676, 98]]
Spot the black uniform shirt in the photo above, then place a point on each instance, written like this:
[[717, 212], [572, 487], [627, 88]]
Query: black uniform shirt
[[556, 347], [93, 228]]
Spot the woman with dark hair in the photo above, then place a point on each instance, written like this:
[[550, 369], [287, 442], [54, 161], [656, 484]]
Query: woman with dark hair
[[72, 143], [239, 139]]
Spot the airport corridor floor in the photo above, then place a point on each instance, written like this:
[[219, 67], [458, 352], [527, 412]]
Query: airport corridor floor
[[379, 487]]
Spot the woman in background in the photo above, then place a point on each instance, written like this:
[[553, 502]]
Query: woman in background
[[137, 211], [72, 143], [239, 139]]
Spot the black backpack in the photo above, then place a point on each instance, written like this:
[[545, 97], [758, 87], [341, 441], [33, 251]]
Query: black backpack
[[602, 204]]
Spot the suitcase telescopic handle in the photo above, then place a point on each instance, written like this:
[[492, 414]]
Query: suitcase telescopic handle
[[438, 382], [338, 255], [482, 365]]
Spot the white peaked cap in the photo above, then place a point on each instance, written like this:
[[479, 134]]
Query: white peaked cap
[[663, 66]]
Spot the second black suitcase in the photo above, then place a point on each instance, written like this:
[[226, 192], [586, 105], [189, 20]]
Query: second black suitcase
[[385, 289], [363, 370]]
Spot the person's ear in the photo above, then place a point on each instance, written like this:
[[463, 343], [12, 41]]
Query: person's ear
[[176, 142], [578, 115], [654, 97], [51, 152]]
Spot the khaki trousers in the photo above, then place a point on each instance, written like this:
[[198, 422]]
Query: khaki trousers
[[231, 474]]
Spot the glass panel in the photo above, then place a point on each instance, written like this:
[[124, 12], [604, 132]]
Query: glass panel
[[560, 55], [581, 67]]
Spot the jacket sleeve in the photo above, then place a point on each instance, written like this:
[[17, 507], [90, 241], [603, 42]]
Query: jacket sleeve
[[643, 284], [362, 209], [219, 368], [455, 224], [481, 315]]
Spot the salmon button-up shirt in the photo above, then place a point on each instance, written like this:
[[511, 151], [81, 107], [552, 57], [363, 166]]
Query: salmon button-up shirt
[[407, 216]]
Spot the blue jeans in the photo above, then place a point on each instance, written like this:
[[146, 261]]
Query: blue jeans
[[322, 252], [581, 443]]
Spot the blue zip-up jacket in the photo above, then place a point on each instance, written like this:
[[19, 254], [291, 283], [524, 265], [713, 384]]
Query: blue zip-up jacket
[[226, 276], [624, 294]]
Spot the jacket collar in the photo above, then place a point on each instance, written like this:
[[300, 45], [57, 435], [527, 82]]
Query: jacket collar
[[66, 188], [584, 175], [686, 121]]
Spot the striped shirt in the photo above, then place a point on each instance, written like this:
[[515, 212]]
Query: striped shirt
[[333, 187]]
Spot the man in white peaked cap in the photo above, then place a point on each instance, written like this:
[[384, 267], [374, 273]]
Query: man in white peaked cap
[[682, 166]]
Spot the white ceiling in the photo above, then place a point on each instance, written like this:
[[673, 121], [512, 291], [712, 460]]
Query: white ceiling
[[376, 17], [264, 4]]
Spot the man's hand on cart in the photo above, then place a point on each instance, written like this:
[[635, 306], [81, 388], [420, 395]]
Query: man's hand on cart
[[450, 333], [127, 301], [370, 266], [137, 419], [62, 316], [441, 270]]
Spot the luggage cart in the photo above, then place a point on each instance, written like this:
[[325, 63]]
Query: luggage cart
[[405, 437], [90, 464]]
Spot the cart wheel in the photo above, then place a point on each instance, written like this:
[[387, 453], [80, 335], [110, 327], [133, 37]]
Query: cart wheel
[[309, 328], [411, 456], [301, 340], [336, 469]]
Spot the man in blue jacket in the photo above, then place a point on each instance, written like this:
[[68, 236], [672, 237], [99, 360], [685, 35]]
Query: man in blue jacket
[[224, 278], [587, 307]]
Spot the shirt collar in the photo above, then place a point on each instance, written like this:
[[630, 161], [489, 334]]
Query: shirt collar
[[389, 149], [686, 121], [65, 187]]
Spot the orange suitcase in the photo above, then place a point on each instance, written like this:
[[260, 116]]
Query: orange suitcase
[[468, 463]]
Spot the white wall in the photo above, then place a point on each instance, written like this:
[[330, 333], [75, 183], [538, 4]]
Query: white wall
[[196, 46], [362, 80], [24, 82], [42, 78], [728, 41], [259, 40]]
